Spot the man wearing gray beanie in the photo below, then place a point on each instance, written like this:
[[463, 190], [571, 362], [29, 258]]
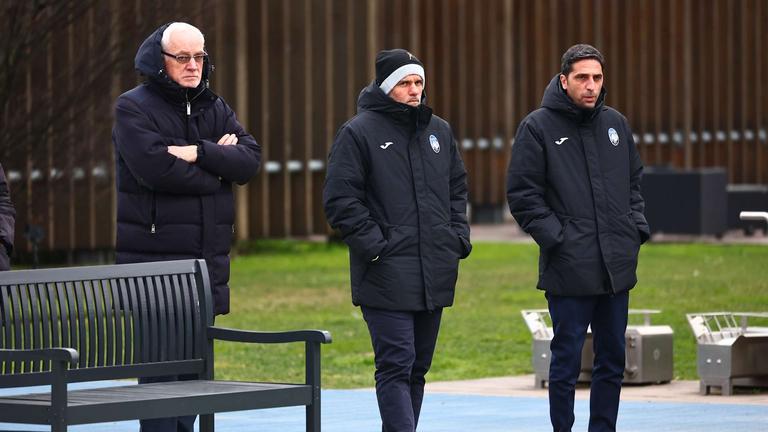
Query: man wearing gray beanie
[[396, 190]]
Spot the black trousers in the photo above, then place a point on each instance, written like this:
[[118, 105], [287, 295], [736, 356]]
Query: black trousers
[[403, 345], [607, 314]]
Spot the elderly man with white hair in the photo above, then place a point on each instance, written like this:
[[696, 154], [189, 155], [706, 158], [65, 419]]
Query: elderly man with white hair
[[178, 149]]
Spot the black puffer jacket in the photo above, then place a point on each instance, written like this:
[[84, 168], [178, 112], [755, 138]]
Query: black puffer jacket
[[7, 222], [167, 208], [396, 189], [574, 185]]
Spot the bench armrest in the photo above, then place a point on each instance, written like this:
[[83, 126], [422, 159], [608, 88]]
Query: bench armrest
[[235, 335], [57, 354]]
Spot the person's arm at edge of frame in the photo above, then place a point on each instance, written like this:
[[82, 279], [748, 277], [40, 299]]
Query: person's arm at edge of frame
[[344, 198], [7, 218], [236, 162], [458, 189], [148, 159], [526, 179], [636, 201]]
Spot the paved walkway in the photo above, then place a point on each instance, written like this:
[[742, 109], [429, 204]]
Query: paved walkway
[[508, 404], [675, 391]]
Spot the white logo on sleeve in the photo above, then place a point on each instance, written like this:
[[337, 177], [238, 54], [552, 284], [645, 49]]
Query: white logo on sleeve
[[613, 136], [561, 140], [386, 144], [434, 143]]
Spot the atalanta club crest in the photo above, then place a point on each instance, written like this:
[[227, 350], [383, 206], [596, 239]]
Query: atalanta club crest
[[613, 136], [434, 143]]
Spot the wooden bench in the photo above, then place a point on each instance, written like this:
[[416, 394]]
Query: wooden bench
[[61, 326]]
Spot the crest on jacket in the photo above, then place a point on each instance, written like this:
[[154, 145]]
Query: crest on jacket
[[434, 143], [613, 136]]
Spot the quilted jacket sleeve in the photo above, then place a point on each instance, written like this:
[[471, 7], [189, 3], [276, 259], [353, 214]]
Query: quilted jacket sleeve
[[344, 197]]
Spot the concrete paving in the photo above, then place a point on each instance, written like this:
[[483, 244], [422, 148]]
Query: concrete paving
[[508, 404], [675, 391]]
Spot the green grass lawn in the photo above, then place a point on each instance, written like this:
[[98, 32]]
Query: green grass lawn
[[291, 285]]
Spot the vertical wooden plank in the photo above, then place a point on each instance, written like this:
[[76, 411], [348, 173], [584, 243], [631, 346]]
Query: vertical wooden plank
[[760, 41], [308, 218], [687, 72], [659, 87], [730, 104], [265, 64], [288, 76], [241, 60], [509, 117], [717, 63], [492, 99]]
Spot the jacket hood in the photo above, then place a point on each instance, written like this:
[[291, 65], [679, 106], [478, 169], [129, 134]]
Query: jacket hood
[[371, 98], [150, 63], [555, 98]]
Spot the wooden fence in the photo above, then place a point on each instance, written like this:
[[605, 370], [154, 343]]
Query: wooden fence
[[688, 74]]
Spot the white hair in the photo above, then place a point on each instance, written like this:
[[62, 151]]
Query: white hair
[[176, 26]]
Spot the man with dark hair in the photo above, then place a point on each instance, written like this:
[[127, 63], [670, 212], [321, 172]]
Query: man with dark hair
[[7, 223], [179, 148], [396, 189], [573, 184]]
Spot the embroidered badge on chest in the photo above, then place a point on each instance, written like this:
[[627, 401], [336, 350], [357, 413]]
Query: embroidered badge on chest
[[613, 136], [434, 143]]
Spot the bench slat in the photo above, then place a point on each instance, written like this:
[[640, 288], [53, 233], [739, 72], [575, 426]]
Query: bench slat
[[7, 336], [161, 400], [88, 322], [109, 318], [45, 325]]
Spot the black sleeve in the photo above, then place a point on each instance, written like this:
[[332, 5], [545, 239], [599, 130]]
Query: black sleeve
[[526, 182], [235, 163], [636, 201], [344, 197], [458, 185]]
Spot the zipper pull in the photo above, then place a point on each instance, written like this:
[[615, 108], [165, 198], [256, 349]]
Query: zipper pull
[[233, 228], [189, 108], [152, 229]]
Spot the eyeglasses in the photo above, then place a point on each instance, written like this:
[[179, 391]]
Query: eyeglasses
[[184, 58]]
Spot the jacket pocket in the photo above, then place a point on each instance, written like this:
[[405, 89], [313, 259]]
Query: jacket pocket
[[402, 240], [447, 240]]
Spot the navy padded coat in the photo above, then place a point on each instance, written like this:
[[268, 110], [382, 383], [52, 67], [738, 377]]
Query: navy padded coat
[[167, 208], [573, 184], [396, 189]]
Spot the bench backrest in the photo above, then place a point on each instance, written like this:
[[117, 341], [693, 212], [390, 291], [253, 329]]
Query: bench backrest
[[125, 320]]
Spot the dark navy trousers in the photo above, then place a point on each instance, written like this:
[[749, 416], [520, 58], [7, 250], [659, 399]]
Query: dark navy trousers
[[168, 424], [607, 314], [403, 345]]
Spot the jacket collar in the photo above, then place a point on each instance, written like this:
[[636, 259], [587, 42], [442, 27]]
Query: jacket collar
[[413, 118], [555, 98]]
